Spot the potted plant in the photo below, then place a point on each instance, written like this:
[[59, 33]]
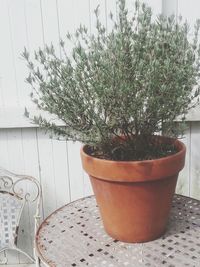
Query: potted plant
[[119, 93]]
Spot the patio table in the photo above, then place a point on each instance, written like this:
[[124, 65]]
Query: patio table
[[74, 236]]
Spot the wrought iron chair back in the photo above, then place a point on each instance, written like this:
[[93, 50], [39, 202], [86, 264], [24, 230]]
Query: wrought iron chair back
[[15, 192]]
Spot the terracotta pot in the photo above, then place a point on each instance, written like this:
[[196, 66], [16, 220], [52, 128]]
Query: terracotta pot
[[134, 197]]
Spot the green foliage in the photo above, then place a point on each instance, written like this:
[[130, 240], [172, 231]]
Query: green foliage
[[132, 81]]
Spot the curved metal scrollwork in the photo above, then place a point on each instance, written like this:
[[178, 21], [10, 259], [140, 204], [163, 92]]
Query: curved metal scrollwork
[[27, 194], [22, 186], [6, 183]]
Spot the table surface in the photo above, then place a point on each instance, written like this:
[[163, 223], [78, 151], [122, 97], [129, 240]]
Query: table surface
[[74, 236]]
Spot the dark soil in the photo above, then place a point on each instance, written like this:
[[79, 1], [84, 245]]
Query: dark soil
[[133, 151]]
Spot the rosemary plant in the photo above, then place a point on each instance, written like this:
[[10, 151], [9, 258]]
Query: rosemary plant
[[116, 89]]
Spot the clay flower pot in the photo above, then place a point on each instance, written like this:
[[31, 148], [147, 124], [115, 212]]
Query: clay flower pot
[[134, 197]]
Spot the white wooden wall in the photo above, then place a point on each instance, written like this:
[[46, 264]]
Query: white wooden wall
[[28, 150]]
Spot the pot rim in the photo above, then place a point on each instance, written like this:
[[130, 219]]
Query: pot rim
[[135, 171], [178, 143]]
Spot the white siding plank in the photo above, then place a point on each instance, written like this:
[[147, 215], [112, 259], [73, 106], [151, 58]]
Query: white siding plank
[[45, 152], [30, 152], [61, 172], [50, 23], [18, 21], [16, 163], [31, 167], [184, 176], [34, 30], [75, 170], [34, 39], [102, 14], [81, 15], [4, 158], [110, 7], [169, 7], [2, 101], [189, 10], [195, 156], [7, 62], [156, 6], [66, 14], [87, 187], [34, 36]]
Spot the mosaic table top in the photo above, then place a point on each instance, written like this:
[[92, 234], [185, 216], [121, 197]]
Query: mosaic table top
[[74, 236]]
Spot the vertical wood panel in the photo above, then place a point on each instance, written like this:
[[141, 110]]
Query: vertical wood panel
[[189, 13], [45, 149], [189, 10], [169, 7], [66, 16], [102, 4], [16, 163], [7, 63], [81, 14], [17, 19], [61, 172], [2, 101], [183, 184], [31, 167], [110, 6], [4, 158], [102, 14], [50, 23], [66, 21], [33, 24], [195, 159], [156, 6], [75, 170], [34, 40], [87, 188]]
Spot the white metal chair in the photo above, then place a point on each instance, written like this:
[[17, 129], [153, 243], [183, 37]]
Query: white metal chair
[[15, 192]]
